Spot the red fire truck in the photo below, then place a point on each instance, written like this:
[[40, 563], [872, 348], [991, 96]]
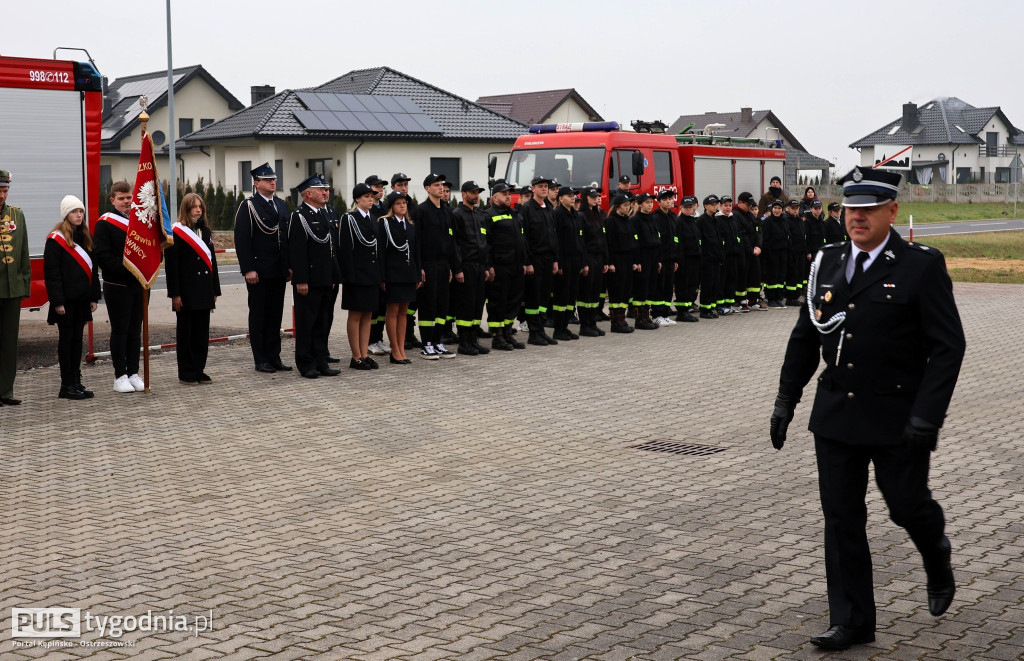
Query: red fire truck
[[50, 143], [599, 153]]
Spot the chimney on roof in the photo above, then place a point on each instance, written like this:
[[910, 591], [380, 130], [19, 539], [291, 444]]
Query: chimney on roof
[[108, 103], [746, 115], [260, 92], [909, 116]]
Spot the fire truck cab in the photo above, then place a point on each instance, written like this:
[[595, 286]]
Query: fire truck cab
[[599, 153], [50, 143]]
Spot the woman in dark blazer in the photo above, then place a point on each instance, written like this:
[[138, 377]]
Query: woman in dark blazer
[[359, 259], [73, 287], [193, 287], [400, 268]]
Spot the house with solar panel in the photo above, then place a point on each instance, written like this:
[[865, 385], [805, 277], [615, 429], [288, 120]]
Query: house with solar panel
[[563, 106], [199, 101], [368, 122], [947, 140]]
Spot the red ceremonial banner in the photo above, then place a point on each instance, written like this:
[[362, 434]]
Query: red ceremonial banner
[[146, 236]]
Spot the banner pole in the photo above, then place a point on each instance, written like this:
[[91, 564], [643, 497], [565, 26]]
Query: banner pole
[[145, 337]]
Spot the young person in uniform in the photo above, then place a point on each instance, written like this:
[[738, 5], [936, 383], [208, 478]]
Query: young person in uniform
[[712, 259], [750, 237], [775, 241], [73, 287], [646, 277], [814, 229], [358, 256], [400, 184], [260, 222], [596, 245], [400, 268], [122, 292], [729, 229], [542, 246], [796, 264], [572, 262], [193, 286], [15, 281], [440, 265], [378, 345], [624, 261], [834, 227], [470, 237], [687, 278], [509, 258], [666, 219]]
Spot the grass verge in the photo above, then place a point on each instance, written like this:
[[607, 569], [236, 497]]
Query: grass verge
[[983, 257]]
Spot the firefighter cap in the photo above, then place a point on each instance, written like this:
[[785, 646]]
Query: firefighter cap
[[710, 199], [432, 179], [312, 181], [374, 180], [263, 172], [566, 190], [793, 203], [869, 187], [689, 201], [399, 176], [643, 197], [618, 199], [725, 198], [665, 194], [472, 186], [624, 179], [834, 206], [746, 197], [500, 186], [360, 190], [541, 180], [394, 196]]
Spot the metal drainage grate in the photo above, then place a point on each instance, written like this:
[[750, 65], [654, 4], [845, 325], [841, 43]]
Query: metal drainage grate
[[672, 447]]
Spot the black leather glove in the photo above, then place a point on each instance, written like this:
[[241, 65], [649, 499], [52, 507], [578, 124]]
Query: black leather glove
[[921, 434], [781, 417]]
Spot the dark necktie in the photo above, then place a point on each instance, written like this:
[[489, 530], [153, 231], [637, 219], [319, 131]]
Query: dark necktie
[[858, 268]]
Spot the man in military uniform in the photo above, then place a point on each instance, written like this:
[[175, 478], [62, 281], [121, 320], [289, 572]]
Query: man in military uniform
[[885, 322], [260, 222], [467, 297], [315, 277], [15, 280]]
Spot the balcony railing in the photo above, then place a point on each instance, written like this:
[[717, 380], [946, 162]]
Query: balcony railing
[[986, 151]]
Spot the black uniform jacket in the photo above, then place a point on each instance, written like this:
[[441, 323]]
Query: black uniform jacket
[[399, 266], [750, 230], [314, 263], [359, 264], [437, 242], [666, 221], [65, 280], [835, 230], [797, 243], [710, 239], [258, 240], [623, 239], [729, 230], [108, 252], [188, 275], [471, 235], [648, 236], [506, 240], [688, 233], [896, 355], [539, 226], [814, 231], [594, 235], [775, 234], [569, 228]]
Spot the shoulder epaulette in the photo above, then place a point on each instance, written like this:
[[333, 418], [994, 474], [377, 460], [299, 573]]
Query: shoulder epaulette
[[840, 244], [923, 248]]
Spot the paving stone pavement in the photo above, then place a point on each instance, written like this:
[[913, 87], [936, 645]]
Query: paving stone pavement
[[493, 507]]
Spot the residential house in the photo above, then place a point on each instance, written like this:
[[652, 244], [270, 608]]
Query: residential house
[[548, 107], [952, 142], [371, 121], [761, 124], [199, 100]]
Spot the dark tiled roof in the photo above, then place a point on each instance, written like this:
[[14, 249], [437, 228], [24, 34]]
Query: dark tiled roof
[[937, 123], [801, 160], [533, 107], [124, 94], [459, 118], [735, 127]]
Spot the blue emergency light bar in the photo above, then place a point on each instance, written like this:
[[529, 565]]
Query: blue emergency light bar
[[575, 127]]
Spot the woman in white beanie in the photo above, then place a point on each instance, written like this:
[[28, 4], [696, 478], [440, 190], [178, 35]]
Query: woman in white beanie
[[73, 287]]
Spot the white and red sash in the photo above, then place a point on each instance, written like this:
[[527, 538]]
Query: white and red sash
[[78, 252], [195, 241], [117, 220]]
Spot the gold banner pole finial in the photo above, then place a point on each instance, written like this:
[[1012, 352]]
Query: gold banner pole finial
[[144, 117]]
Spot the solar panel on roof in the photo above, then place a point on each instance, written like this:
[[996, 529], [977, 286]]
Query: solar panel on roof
[[390, 123], [409, 123], [370, 121], [351, 122], [352, 102], [425, 122], [390, 104], [372, 104], [309, 120], [408, 104], [333, 103], [363, 113], [311, 100], [330, 120]]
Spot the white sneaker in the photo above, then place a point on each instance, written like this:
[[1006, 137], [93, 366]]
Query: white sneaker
[[377, 349], [670, 321], [137, 383], [524, 326], [121, 384], [385, 347]]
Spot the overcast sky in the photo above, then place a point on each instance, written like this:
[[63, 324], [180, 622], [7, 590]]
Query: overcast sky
[[832, 72]]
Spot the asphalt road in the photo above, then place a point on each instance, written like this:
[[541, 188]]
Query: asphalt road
[[962, 227]]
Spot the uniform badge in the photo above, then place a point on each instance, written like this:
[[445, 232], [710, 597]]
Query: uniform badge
[[828, 296], [889, 285], [817, 315], [857, 175], [889, 255]]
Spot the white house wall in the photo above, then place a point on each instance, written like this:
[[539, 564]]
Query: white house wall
[[567, 112]]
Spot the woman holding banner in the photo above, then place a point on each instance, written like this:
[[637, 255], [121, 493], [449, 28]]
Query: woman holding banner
[[193, 287], [73, 287]]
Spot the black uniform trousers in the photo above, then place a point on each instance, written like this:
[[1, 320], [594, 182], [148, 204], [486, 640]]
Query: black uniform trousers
[[687, 280], [710, 284], [124, 307], [794, 275], [266, 307], [775, 263], [591, 285], [902, 475], [566, 290], [662, 295], [193, 337], [432, 300], [504, 295], [645, 281], [730, 280], [312, 327], [537, 292], [620, 283], [468, 296], [70, 326], [751, 279]]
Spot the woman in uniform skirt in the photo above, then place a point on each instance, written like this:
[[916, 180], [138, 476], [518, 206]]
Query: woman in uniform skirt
[[400, 268], [193, 287], [359, 259], [623, 261], [73, 287]]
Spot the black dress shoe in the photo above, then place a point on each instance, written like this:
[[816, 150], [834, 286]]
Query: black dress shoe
[[328, 371], [69, 392], [280, 367], [204, 378], [839, 637], [332, 359], [561, 334], [395, 361], [9, 401], [85, 391], [311, 374], [358, 364], [371, 362], [266, 368], [941, 584], [547, 338]]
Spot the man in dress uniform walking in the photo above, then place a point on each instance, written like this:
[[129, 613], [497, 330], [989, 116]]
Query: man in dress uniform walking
[[315, 276], [260, 222], [15, 280], [881, 314]]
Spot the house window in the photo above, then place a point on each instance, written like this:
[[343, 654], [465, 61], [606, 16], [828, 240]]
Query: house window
[[279, 171], [105, 176], [663, 168], [203, 123], [317, 166], [244, 176], [449, 167], [1003, 175], [184, 126]]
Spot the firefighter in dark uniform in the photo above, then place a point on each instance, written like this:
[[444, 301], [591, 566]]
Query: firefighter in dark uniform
[[15, 281], [440, 263], [667, 255], [646, 277], [729, 230], [814, 229], [596, 245], [315, 276], [834, 226], [507, 247], [624, 260], [712, 259], [884, 321], [572, 262], [335, 222], [542, 245], [468, 296], [688, 253], [797, 252], [750, 238], [260, 222], [775, 241]]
